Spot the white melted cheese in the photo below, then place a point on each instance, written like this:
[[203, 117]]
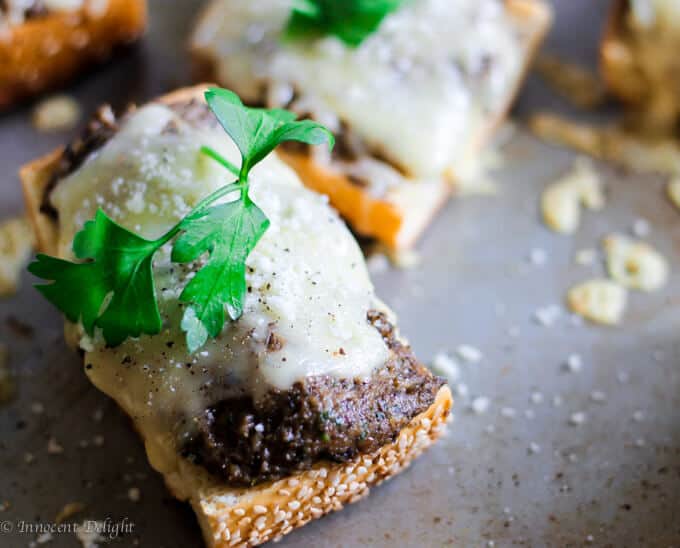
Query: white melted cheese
[[308, 277], [418, 89]]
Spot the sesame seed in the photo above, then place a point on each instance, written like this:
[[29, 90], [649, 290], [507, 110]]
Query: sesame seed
[[260, 523], [293, 482], [239, 512], [444, 365], [259, 509], [294, 504], [134, 494], [284, 492]]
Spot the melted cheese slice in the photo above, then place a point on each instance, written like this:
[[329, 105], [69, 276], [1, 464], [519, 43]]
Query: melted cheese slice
[[309, 284], [417, 90]]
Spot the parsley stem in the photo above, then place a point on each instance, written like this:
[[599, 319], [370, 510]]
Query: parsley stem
[[220, 159]]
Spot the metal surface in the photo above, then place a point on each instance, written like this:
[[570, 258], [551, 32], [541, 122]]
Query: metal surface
[[612, 481]]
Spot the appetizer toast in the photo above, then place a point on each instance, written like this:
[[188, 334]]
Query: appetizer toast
[[401, 145], [252, 468], [43, 45], [640, 61]]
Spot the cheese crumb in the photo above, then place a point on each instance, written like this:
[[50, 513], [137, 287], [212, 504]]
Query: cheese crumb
[[480, 405], [561, 201], [598, 397], [508, 412], [600, 301], [88, 533], [58, 113], [538, 257], [16, 245], [547, 315], [641, 228], [536, 398], [634, 264], [578, 418], [673, 191], [444, 365], [469, 354], [585, 257], [53, 447], [534, 448], [134, 494], [574, 363]]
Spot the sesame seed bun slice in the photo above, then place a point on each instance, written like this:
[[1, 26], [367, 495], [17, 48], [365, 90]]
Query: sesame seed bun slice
[[251, 516]]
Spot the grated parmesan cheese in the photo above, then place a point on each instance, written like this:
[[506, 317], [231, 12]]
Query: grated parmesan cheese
[[16, 244], [58, 113]]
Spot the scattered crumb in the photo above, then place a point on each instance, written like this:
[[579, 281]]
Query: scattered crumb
[[53, 447], [4, 505], [561, 201], [548, 315], [98, 415], [88, 533], [57, 113], [673, 191], [635, 264], [534, 448], [529, 414], [640, 442], [623, 377], [7, 387], [469, 354], [44, 538], [639, 416], [134, 494], [444, 365], [598, 397], [37, 408], [480, 405], [462, 390], [16, 245], [641, 228], [600, 301], [514, 331], [557, 401], [578, 418], [508, 412], [585, 257], [69, 510], [536, 398], [29, 458], [574, 363], [538, 257], [658, 355], [98, 441]]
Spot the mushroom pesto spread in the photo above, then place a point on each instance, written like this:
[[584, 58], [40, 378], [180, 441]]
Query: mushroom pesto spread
[[312, 370]]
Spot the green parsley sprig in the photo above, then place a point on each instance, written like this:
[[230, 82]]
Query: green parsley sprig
[[350, 20], [111, 286]]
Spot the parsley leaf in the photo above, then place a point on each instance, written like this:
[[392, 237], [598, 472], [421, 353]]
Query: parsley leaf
[[113, 290], [112, 285], [257, 132], [350, 20], [228, 232]]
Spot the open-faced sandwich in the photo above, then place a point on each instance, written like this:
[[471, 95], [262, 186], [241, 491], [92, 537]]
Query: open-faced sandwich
[[159, 226], [641, 60], [410, 89], [45, 43]]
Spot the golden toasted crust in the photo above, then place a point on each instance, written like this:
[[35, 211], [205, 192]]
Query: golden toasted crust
[[398, 220], [252, 516], [47, 51]]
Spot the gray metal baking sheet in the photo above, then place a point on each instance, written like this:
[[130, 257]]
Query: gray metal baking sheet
[[612, 481]]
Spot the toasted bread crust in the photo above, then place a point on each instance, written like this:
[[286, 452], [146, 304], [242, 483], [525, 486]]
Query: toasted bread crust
[[383, 218], [251, 516], [47, 51]]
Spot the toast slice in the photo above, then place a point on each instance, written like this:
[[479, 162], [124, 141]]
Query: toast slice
[[232, 516], [397, 217], [48, 50], [639, 62]]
